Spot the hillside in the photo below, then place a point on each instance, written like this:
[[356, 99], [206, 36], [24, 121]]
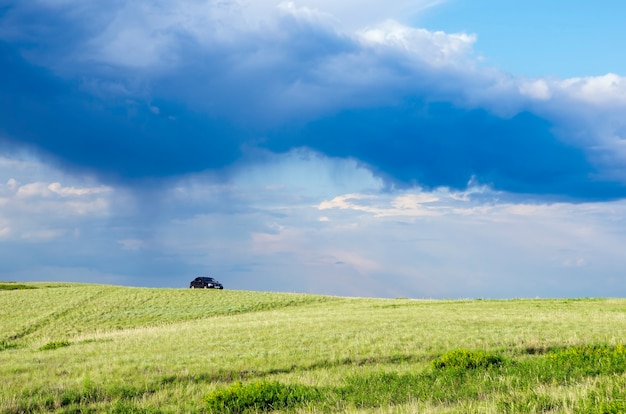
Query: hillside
[[74, 347]]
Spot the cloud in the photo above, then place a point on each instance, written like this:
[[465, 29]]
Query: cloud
[[437, 49], [369, 11], [262, 230], [40, 211], [33, 190], [299, 146], [42, 189], [142, 92], [467, 247], [57, 188], [406, 205], [536, 89]]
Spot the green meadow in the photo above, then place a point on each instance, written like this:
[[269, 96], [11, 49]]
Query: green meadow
[[71, 348]]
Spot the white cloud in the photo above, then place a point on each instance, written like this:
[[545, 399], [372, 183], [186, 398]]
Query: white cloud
[[12, 184], [347, 14], [410, 201], [346, 201], [383, 205], [57, 188], [35, 210], [536, 89], [38, 189], [58, 201], [609, 89], [403, 206], [435, 48]]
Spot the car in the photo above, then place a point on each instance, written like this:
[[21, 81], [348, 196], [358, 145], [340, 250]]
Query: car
[[205, 283]]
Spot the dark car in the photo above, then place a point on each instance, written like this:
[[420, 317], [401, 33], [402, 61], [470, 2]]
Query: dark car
[[205, 283]]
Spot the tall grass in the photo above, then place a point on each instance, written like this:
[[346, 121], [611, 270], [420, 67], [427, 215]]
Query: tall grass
[[512, 385], [93, 348]]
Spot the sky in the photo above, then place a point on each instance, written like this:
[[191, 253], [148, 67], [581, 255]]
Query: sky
[[407, 148]]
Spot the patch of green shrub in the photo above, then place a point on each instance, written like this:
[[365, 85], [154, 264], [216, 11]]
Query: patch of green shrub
[[55, 345], [14, 286], [585, 360], [7, 345], [260, 396], [612, 407], [590, 353], [463, 359]]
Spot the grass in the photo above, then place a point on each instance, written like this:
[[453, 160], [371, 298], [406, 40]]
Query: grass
[[93, 348]]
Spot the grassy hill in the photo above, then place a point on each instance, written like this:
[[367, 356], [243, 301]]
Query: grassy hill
[[93, 348]]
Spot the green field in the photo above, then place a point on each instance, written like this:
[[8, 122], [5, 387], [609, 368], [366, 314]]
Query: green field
[[94, 348]]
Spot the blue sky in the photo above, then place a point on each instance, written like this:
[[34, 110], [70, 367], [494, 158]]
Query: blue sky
[[412, 148], [538, 38]]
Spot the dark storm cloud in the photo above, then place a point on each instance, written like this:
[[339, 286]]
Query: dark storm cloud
[[439, 145], [117, 139], [130, 97]]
